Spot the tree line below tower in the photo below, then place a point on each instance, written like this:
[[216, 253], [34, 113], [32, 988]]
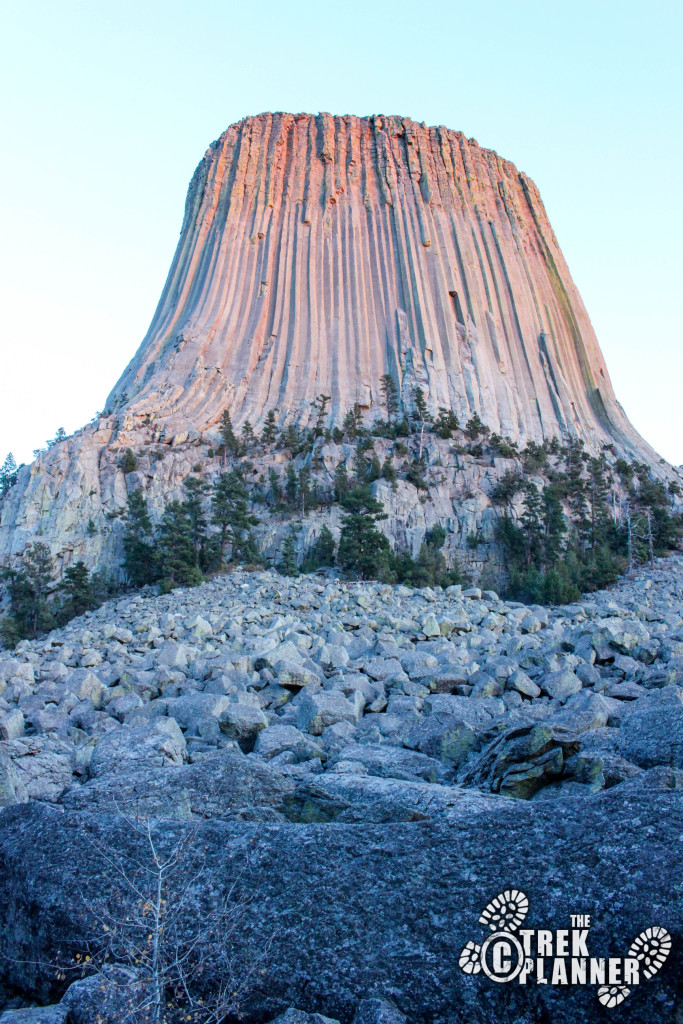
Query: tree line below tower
[[567, 521]]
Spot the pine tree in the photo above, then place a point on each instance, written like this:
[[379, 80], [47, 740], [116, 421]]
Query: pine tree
[[663, 529], [229, 512], [60, 436], [363, 549], [535, 458], [194, 506], [374, 469], [390, 393], [320, 405], [290, 439], [229, 441], [291, 486], [430, 568], [287, 565], [475, 428], [445, 423], [321, 553], [225, 492], [8, 475], [506, 489], [360, 464], [503, 446], [554, 524], [389, 472], [341, 482], [127, 462], [269, 435], [275, 486], [248, 436], [139, 559], [247, 551], [304, 490], [576, 495], [28, 589], [175, 546], [420, 403], [415, 475], [422, 415], [531, 522], [597, 501], [78, 588], [39, 569], [551, 560], [10, 632], [103, 586], [353, 422]]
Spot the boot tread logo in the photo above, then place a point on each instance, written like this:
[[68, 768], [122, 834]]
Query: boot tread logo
[[559, 957]]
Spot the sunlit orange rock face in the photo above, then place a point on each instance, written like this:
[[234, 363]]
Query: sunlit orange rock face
[[318, 253]]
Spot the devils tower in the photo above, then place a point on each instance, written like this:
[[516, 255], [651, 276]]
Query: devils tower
[[318, 254]]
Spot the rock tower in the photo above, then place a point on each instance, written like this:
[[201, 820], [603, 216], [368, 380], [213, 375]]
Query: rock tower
[[318, 253]]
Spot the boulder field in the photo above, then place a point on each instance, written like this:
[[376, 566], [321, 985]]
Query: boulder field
[[340, 777]]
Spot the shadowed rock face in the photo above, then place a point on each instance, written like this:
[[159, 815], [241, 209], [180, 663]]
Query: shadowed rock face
[[344, 912], [318, 253]]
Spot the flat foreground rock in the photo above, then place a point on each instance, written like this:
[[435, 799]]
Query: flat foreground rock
[[338, 913]]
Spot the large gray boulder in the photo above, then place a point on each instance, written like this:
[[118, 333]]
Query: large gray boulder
[[560, 685], [36, 1015], [346, 796], [85, 685], [618, 636], [392, 762], [112, 996], [295, 1016], [223, 785], [242, 723], [652, 730], [382, 908], [452, 727], [159, 742], [44, 765], [12, 725], [378, 1011], [521, 760], [286, 739], [319, 710], [12, 788]]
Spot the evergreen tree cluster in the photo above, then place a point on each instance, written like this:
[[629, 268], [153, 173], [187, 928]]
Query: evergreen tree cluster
[[365, 553], [584, 526], [211, 528], [38, 604], [567, 537], [568, 522], [399, 422], [181, 548]]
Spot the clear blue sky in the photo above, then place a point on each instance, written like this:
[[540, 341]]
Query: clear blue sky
[[108, 105]]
